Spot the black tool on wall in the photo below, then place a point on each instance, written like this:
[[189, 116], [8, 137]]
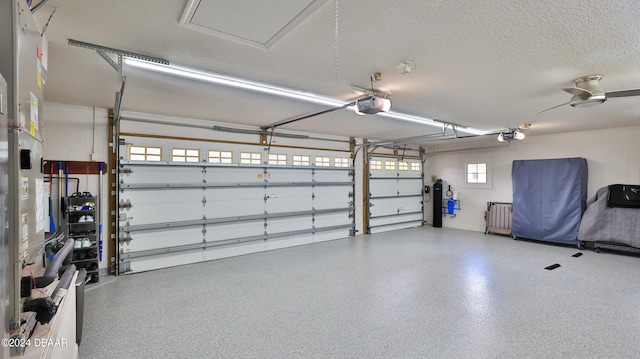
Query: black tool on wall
[[437, 203], [25, 159]]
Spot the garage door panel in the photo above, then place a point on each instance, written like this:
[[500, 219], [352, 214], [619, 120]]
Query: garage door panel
[[410, 173], [396, 195], [383, 187], [399, 217], [289, 175], [232, 250], [162, 174], [332, 175], [330, 235], [288, 199], [330, 197], [279, 243], [333, 219], [163, 213], [289, 224], [147, 240], [165, 261], [234, 174], [230, 202], [192, 195], [410, 186], [395, 227], [166, 206], [226, 209], [221, 232], [395, 205]]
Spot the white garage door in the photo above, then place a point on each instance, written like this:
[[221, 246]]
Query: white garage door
[[189, 201], [395, 193]]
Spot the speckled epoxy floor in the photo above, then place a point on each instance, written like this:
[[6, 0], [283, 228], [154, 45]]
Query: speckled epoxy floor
[[417, 293]]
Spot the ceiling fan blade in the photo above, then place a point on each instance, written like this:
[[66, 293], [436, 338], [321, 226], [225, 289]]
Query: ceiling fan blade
[[623, 93], [579, 92], [551, 108]]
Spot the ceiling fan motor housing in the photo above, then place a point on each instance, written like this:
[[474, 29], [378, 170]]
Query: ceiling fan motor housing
[[593, 95]]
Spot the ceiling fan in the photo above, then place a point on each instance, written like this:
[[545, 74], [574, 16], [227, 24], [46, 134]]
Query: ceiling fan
[[587, 92]]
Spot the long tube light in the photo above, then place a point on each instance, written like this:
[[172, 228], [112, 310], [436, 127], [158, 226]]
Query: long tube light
[[234, 82], [277, 91]]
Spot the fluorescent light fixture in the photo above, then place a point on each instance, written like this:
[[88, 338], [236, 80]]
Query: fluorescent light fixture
[[431, 122], [280, 91], [233, 82]]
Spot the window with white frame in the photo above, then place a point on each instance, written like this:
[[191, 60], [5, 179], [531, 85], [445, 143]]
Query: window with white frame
[[301, 160], [277, 159], [403, 166], [323, 161], [415, 166], [476, 173], [390, 165], [145, 153], [250, 158], [375, 165], [341, 162], [185, 155], [219, 156]]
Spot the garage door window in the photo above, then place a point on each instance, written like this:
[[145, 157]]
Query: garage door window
[[145, 153], [375, 165], [250, 158], [277, 159], [217, 156], [185, 155], [323, 161], [390, 165], [301, 160], [341, 162]]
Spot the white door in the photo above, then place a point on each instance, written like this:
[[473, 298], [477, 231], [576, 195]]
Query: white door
[[395, 193], [175, 212]]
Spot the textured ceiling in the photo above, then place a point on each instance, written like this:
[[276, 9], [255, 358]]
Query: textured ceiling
[[487, 64]]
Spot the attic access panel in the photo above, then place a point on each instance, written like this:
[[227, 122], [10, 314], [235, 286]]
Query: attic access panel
[[252, 22]]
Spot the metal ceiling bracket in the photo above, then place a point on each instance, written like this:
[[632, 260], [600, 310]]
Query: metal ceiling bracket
[[103, 51], [116, 66], [124, 53]]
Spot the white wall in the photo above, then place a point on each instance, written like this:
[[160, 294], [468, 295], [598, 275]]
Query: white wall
[[73, 133], [613, 156]]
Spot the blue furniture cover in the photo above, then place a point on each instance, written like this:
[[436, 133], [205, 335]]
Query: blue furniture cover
[[549, 197]]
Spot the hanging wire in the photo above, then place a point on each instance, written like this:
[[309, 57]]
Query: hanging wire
[[48, 21], [335, 40]]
